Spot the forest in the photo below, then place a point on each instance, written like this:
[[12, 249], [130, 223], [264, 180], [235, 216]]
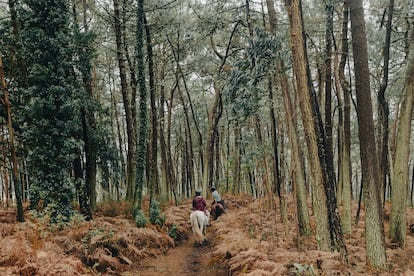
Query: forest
[[299, 109]]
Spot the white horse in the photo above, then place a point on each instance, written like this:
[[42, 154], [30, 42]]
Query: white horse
[[199, 221]]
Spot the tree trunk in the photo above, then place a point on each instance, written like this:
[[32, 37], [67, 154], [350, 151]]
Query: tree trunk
[[263, 163], [300, 189], [374, 227], [5, 195], [166, 174], [400, 180], [213, 120], [383, 109], [81, 191], [236, 158], [118, 132], [153, 152], [87, 118], [142, 108], [345, 148], [131, 132], [322, 167], [299, 66], [14, 162], [328, 77], [190, 154], [214, 116]]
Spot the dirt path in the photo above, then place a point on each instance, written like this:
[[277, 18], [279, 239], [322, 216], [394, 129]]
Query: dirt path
[[185, 259]]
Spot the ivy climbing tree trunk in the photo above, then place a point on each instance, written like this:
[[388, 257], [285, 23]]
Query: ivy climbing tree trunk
[[153, 171], [46, 31], [142, 111]]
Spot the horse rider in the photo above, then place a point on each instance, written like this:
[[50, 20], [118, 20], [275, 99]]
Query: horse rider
[[199, 203], [217, 199]]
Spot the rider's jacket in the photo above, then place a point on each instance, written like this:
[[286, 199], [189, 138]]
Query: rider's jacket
[[199, 203]]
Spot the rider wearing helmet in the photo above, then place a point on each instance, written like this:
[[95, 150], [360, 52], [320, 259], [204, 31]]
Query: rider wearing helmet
[[218, 202], [199, 202]]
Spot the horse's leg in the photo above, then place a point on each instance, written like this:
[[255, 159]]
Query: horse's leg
[[203, 221]]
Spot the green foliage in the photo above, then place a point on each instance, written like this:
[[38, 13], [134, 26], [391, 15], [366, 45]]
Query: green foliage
[[173, 232], [50, 112], [155, 215], [142, 107], [244, 90], [51, 220], [140, 219]]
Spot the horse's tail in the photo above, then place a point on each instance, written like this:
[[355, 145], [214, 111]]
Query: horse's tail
[[195, 226]]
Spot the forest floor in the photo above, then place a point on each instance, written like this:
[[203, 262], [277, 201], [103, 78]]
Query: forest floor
[[248, 240]]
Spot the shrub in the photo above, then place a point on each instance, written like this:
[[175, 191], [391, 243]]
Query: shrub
[[173, 232], [155, 215], [140, 219]]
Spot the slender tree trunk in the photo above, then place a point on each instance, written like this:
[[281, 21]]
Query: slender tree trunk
[[374, 227], [88, 118], [131, 132], [142, 113], [300, 189], [383, 109], [153, 152], [190, 155], [345, 153], [14, 162], [81, 191], [118, 135], [299, 66], [213, 120], [236, 158], [214, 116], [276, 182], [130, 64], [166, 178], [5, 199], [172, 178], [321, 167], [328, 76], [216, 177], [400, 180], [412, 187], [264, 163]]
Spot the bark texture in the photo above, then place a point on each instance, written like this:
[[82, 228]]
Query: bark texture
[[374, 228]]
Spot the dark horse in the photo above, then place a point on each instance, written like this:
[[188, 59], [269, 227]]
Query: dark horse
[[217, 209]]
